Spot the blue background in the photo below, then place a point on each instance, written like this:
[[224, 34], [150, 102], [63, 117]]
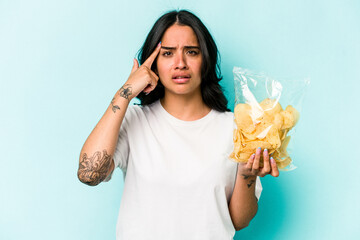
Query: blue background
[[61, 62]]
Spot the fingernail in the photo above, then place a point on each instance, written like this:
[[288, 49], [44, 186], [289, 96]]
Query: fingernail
[[147, 93], [253, 155], [272, 160], [265, 149], [159, 43]]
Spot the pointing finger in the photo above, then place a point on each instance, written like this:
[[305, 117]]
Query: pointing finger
[[135, 66], [149, 61]]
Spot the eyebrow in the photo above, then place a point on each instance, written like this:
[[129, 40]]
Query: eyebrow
[[173, 48]]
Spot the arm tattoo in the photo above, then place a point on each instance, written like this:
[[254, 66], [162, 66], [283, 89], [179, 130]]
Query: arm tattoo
[[250, 182], [125, 91], [245, 176], [92, 170], [114, 107]]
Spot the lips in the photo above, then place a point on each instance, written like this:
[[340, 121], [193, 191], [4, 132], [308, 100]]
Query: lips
[[181, 78]]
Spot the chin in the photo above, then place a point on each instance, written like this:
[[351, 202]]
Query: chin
[[183, 90]]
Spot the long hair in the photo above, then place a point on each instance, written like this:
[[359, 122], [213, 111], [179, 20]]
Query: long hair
[[211, 90]]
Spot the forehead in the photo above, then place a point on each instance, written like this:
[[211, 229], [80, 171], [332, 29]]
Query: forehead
[[179, 35]]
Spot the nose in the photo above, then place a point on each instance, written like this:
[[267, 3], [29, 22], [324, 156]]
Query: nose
[[180, 62]]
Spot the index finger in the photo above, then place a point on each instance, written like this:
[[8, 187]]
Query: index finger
[[149, 61]]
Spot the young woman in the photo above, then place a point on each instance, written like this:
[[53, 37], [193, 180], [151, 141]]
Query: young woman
[[174, 148]]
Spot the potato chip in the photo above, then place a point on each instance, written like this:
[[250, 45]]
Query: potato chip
[[284, 163], [283, 133], [273, 137], [261, 129], [242, 117], [271, 106], [251, 145], [284, 144], [278, 120], [290, 116], [268, 130], [237, 145]]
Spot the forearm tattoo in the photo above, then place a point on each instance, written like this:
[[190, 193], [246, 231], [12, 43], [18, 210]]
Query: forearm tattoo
[[245, 176], [125, 91], [92, 170], [251, 182], [114, 107]]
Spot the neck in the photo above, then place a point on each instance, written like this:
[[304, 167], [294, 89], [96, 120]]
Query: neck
[[187, 108]]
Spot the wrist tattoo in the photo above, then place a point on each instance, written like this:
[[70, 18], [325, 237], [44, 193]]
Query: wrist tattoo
[[114, 107], [125, 91], [92, 170], [251, 182], [245, 176]]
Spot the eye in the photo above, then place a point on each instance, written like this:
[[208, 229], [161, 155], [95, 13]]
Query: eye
[[193, 52], [166, 53]]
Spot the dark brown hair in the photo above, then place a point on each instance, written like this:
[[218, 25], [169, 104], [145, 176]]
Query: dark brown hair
[[211, 90]]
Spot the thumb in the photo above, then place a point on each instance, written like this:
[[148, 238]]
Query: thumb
[[135, 66]]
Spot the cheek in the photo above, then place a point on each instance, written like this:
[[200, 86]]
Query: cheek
[[163, 68], [197, 68]]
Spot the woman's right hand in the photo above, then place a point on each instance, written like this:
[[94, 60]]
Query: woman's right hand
[[141, 78], [96, 157]]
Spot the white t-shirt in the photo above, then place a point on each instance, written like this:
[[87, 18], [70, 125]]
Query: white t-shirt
[[178, 179]]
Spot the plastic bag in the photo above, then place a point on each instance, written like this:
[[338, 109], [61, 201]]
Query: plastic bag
[[266, 112]]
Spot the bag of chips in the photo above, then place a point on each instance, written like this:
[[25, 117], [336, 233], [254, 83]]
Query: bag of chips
[[265, 112]]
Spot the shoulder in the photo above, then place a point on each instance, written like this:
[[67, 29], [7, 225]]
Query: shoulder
[[132, 111], [224, 115], [138, 109], [225, 119], [137, 112]]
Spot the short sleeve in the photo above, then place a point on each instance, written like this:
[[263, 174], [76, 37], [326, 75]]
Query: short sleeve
[[258, 188], [121, 153]]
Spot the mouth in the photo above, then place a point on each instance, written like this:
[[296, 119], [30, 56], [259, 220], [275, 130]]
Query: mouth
[[181, 78]]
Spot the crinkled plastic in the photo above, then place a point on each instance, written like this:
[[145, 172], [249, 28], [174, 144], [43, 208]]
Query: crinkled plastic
[[266, 113]]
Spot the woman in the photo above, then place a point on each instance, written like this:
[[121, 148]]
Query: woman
[[174, 148]]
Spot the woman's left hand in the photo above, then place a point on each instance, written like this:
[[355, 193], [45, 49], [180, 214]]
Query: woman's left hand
[[252, 167]]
